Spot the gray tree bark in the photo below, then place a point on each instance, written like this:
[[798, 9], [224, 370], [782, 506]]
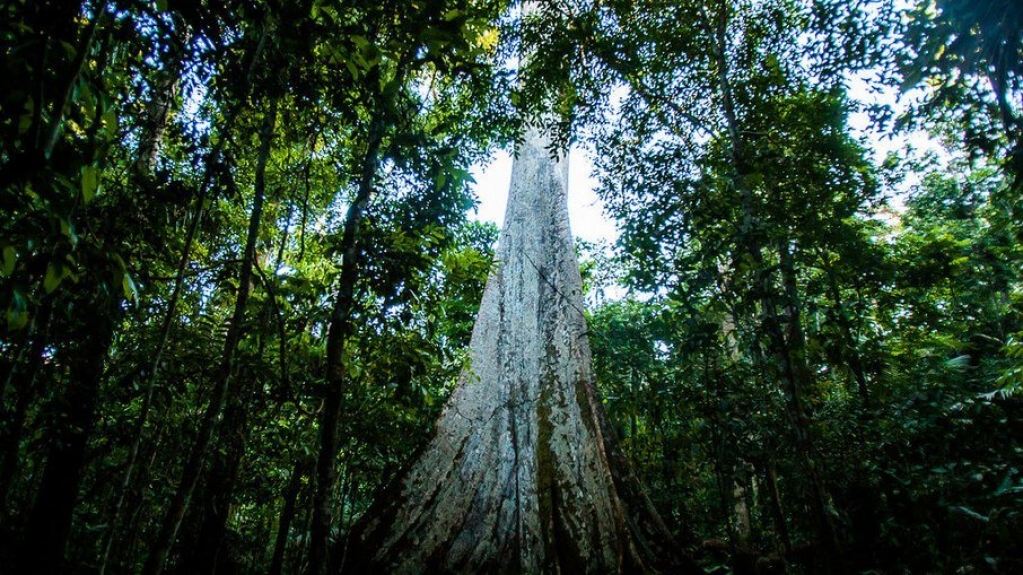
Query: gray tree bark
[[523, 474]]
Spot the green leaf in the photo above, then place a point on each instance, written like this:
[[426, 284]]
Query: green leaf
[[10, 258], [353, 69], [131, 291], [462, 176], [17, 313], [354, 370], [68, 230], [111, 120], [360, 42], [54, 275], [24, 123], [90, 182]]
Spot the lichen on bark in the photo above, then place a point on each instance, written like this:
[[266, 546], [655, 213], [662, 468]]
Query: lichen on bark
[[522, 474]]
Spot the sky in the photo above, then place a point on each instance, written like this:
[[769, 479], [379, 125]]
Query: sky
[[585, 210]]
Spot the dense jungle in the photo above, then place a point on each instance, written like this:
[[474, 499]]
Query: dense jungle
[[240, 269]]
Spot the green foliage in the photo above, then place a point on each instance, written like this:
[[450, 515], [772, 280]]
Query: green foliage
[[810, 340], [969, 58], [130, 161], [970, 54]]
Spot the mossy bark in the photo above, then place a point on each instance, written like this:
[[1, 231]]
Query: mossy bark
[[523, 473]]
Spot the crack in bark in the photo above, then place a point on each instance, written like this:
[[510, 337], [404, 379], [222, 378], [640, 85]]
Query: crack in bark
[[543, 277]]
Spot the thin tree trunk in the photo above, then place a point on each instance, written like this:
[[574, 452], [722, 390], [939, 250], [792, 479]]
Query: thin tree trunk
[[849, 348], [741, 512], [50, 522], [15, 422], [287, 517], [128, 542], [789, 348], [171, 314], [777, 511], [193, 467], [721, 462], [222, 478], [220, 481], [338, 333], [89, 342], [147, 399], [158, 112], [788, 353]]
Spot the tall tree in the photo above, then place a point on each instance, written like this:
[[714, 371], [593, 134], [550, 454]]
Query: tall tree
[[523, 473]]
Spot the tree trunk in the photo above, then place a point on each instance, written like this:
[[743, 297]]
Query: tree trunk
[[217, 493], [788, 352], [740, 510], [340, 330], [287, 517], [770, 476], [11, 436], [523, 473], [849, 348], [66, 91], [789, 349], [193, 466], [158, 112], [50, 522], [179, 282]]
